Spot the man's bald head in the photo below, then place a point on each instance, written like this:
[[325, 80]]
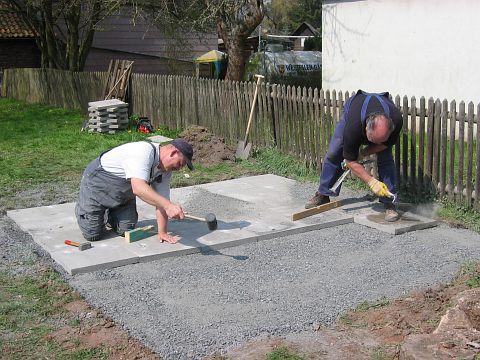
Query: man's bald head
[[379, 127]]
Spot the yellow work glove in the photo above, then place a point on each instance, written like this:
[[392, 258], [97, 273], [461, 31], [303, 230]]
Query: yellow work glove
[[379, 188]]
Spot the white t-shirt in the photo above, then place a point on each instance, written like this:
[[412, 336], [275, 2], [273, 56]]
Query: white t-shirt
[[137, 160]]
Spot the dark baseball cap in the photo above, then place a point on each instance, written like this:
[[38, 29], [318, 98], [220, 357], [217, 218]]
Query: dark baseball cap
[[186, 149]]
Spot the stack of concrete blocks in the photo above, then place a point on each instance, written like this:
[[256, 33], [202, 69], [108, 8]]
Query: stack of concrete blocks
[[107, 116]]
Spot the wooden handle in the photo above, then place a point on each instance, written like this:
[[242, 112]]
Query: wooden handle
[[188, 216], [70, 242], [259, 79]]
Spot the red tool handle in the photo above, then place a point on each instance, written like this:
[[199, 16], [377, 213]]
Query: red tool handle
[[70, 242]]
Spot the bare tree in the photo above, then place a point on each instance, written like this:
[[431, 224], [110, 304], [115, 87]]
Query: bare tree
[[234, 20], [65, 28], [278, 14]]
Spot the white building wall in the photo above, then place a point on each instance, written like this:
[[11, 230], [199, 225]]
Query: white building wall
[[416, 48]]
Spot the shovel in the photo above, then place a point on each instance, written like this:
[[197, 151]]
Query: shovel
[[243, 148], [346, 172]]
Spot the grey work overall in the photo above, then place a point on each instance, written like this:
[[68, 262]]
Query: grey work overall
[[332, 168], [104, 198]]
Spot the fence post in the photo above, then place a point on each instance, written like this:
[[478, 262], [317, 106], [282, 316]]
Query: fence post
[[413, 145], [451, 161], [469, 184], [398, 150], [461, 139], [316, 127], [443, 148], [288, 103], [334, 108], [310, 133], [328, 119], [303, 120], [405, 142], [323, 129], [429, 152], [421, 146], [277, 135], [437, 120], [260, 111], [477, 176]]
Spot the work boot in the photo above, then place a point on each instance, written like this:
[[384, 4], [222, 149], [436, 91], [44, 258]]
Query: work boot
[[92, 238], [113, 227], [317, 200], [391, 213]]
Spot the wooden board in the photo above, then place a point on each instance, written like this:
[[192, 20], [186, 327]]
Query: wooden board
[[317, 210], [140, 233], [117, 79]]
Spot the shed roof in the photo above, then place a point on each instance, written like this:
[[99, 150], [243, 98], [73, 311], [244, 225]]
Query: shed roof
[[211, 56], [305, 26], [11, 23]]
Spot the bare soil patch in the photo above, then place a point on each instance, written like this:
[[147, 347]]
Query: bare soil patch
[[208, 149], [74, 328], [89, 328]]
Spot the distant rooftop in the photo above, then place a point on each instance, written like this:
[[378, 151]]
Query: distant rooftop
[[304, 26], [12, 24]]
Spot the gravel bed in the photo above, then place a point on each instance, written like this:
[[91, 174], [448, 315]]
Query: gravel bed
[[195, 305]]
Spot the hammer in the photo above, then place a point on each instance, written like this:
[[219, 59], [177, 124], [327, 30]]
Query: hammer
[[210, 219], [80, 246]]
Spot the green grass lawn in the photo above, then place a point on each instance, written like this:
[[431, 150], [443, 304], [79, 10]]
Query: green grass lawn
[[44, 144]]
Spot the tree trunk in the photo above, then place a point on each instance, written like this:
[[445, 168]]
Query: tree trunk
[[87, 39], [236, 60], [72, 20], [234, 27]]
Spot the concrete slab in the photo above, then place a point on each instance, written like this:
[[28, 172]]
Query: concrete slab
[[159, 139], [247, 209], [51, 225], [408, 221], [105, 104]]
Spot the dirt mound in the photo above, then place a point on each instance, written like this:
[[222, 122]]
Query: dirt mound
[[457, 334], [208, 149]]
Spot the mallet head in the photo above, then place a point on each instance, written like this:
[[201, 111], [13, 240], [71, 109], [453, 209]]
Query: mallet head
[[81, 246], [211, 220], [84, 246]]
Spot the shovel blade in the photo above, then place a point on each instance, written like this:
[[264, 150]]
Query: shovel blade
[[339, 181], [243, 151]]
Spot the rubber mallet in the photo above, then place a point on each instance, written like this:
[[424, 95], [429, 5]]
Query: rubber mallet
[[210, 219], [81, 246]]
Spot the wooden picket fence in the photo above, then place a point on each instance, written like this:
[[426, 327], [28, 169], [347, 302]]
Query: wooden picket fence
[[54, 87], [438, 150]]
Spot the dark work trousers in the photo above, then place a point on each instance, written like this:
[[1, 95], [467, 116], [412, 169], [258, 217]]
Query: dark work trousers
[[332, 166], [104, 197]]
